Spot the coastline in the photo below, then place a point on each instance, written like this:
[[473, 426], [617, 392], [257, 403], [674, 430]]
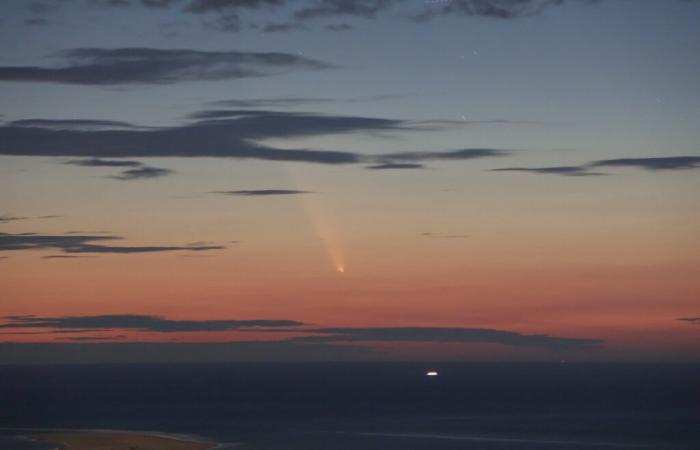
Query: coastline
[[117, 440]]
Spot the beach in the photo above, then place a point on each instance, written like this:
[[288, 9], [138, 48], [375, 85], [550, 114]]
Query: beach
[[103, 440]]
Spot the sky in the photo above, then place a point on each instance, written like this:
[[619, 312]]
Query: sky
[[315, 180]]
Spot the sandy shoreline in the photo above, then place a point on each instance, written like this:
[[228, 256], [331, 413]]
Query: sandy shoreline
[[106, 440]]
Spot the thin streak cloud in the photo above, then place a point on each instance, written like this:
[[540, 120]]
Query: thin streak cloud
[[129, 66]]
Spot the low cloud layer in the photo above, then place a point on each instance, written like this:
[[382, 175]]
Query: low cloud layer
[[8, 218], [691, 320], [653, 164], [76, 243], [224, 134], [282, 102], [128, 66], [438, 335], [396, 166], [71, 124], [332, 343], [142, 172], [262, 192], [137, 170], [658, 163], [569, 171], [97, 162], [137, 322], [460, 154]]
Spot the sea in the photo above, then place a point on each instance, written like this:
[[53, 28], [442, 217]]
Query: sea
[[363, 406]]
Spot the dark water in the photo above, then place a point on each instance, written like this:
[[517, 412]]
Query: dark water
[[368, 406]]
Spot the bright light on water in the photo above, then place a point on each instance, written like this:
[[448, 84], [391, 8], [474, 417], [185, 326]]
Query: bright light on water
[[432, 373]]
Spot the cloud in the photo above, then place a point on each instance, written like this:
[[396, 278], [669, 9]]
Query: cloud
[[142, 172], [443, 335], [691, 320], [393, 166], [228, 11], [283, 27], [271, 102], [227, 15], [298, 101], [495, 9], [138, 171], [97, 162], [138, 322], [4, 218], [570, 171], [234, 135], [339, 27], [124, 66], [94, 338], [11, 218], [332, 8], [651, 164], [262, 192], [71, 124], [657, 163], [466, 153], [74, 243]]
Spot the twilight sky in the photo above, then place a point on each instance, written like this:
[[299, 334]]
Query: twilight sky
[[214, 180]]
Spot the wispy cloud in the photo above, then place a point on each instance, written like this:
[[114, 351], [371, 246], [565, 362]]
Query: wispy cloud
[[276, 102], [137, 322], [461, 154], [234, 15], [5, 218], [138, 171], [691, 320], [443, 335], [124, 66], [74, 243], [97, 162], [396, 166], [71, 124], [262, 192], [494, 9], [142, 172], [235, 135], [94, 338], [654, 163], [569, 171], [660, 163]]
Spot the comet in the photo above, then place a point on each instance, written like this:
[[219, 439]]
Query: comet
[[322, 225]]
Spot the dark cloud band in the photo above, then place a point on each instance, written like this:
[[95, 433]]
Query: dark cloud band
[[120, 66], [76, 243], [137, 322], [660, 163], [443, 335]]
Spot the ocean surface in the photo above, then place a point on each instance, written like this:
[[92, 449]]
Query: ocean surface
[[365, 406]]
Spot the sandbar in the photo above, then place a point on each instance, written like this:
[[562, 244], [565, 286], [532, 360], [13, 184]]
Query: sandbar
[[105, 440]]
